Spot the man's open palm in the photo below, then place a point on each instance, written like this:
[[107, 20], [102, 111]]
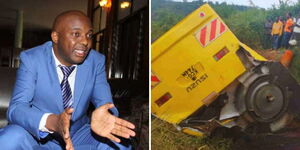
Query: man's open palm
[[107, 125]]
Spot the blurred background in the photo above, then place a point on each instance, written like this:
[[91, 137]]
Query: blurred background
[[121, 33]]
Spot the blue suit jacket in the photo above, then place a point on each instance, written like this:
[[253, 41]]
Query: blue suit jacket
[[37, 89]]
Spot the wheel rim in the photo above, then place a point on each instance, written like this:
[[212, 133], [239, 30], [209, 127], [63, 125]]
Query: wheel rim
[[266, 101]]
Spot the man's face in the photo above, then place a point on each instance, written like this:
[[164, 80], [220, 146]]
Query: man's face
[[74, 39]]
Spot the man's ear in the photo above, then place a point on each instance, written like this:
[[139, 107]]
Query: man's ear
[[54, 36]]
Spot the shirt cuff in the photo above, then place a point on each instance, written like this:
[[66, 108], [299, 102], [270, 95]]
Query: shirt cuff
[[42, 125]]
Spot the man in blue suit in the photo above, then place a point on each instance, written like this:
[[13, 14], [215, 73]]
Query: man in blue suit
[[55, 83]]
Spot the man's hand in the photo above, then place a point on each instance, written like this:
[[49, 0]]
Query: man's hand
[[107, 125], [61, 124]]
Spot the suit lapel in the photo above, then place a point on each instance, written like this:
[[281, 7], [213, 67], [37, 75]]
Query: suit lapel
[[80, 81], [54, 82]]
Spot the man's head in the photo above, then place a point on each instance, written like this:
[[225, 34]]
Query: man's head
[[72, 37], [269, 19], [278, 18], [288, 15]]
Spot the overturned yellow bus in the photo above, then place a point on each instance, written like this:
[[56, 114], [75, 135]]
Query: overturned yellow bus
[[203, 77]]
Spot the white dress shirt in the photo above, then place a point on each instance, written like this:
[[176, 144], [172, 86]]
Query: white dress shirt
[[71, 80]]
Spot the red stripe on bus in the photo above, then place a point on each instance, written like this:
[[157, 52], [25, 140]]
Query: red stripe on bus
[[222, 28], [213, 30], [203, 36], [154, 79]]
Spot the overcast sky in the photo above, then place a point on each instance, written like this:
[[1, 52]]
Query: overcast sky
[[260, 3]]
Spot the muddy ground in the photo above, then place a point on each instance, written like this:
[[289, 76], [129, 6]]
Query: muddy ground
[[271, 54]]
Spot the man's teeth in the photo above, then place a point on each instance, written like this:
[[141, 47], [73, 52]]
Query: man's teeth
[[79, 51]]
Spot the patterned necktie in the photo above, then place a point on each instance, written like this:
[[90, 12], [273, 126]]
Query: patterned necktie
[[65, 86]]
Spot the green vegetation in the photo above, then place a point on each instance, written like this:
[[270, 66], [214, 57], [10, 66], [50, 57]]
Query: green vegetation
[[247, 23], [165, 14], [166, 137], [247, 28], [295, 65]]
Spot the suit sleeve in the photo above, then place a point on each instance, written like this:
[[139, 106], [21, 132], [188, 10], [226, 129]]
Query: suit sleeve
[[21, 111], [101, 92]]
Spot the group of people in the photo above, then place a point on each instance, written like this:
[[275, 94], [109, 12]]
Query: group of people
[[283, 32]]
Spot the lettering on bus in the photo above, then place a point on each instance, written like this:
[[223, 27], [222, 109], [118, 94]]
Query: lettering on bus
[[190, 73], [196, 83]]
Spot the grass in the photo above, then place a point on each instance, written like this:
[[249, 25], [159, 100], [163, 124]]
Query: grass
[[295, 65], [166, 137]]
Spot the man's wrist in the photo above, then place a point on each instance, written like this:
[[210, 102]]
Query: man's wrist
[[42, 125], [51, 123]]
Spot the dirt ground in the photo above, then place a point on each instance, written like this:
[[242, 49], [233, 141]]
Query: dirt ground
[[270, 54]]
